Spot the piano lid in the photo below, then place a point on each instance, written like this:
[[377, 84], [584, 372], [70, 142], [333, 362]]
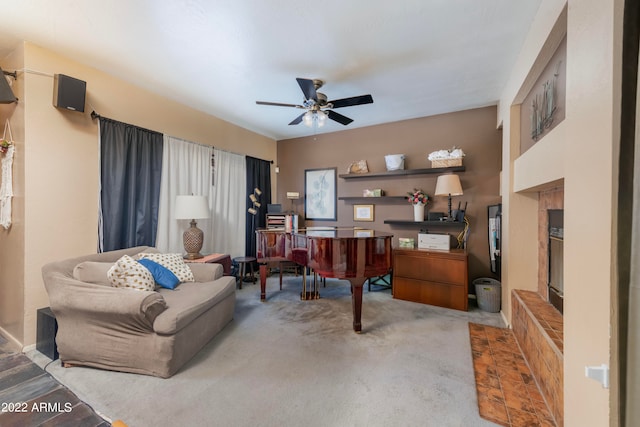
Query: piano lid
[[341, 233]]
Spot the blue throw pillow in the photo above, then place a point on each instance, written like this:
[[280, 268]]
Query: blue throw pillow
[[162, 275]]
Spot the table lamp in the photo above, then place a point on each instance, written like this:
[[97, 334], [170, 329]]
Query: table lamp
[[293, 195], [448, 185], [192, 207]]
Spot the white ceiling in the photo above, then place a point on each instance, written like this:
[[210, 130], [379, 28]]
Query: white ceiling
[[415, 57]]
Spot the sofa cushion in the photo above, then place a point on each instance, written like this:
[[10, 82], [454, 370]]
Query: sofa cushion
[[93, 272], [162, 275], [173, 262], [189, 301], [205, 272], [130, 274]]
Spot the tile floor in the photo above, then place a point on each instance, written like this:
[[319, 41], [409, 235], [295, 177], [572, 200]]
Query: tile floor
[[507, 392], [24, 383]]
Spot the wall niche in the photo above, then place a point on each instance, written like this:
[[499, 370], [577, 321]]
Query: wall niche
[[544, 106]]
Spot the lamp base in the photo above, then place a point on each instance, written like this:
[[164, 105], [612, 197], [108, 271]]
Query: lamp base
[[193, 238]]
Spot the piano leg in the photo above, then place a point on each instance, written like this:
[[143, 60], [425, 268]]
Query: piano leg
[[263, 282], [356, 301], [303, 294]]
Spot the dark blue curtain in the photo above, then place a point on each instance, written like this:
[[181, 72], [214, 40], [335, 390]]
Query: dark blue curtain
[[130, 173], [258, 176]]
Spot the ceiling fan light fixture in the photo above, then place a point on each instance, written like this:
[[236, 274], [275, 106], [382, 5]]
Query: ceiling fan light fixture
[[307, 119], [322, 118], [315, 118]]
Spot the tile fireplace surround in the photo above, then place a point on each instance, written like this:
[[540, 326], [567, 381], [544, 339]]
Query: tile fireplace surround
[[548, 199], [537, 325], [538, 328]]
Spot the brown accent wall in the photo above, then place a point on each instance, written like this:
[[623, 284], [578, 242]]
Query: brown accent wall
[[472, 130]]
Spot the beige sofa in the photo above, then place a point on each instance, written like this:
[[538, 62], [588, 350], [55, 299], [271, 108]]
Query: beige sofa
[[144, 332]]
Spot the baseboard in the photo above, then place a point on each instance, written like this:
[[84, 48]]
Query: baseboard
[[6, 335], [504, 319]]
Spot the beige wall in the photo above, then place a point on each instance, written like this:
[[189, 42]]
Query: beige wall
[[12, 246], [59, 185], [581, 151], [472, 130]]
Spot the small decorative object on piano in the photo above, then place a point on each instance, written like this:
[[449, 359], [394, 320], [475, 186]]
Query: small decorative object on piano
[[406, 242], [446, 158], [358, 167], [376, 192]]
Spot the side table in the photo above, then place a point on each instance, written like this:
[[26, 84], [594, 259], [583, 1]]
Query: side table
[[224, 259], [242, 268]]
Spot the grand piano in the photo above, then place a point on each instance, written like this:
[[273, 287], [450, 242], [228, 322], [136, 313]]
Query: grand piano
[[344, 253]]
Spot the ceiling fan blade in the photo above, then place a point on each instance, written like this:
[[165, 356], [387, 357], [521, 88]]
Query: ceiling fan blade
[[354, 100], [339, 117], [297, 120], [278, 104], [308, 88]]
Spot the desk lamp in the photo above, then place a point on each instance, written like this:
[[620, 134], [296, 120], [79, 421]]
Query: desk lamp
[[448, 185]]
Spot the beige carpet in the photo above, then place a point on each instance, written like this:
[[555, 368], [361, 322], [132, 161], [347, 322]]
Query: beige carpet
[[287, 362]]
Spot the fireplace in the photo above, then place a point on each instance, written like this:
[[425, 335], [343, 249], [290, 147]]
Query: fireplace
[[556, 257]]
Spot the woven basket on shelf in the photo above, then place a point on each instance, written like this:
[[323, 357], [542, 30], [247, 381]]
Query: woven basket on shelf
[[446, 163]]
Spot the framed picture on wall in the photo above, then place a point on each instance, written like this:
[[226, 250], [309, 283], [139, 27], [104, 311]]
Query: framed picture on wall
[[363, 212], [320, 194]]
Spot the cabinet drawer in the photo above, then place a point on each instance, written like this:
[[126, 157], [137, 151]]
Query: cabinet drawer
[[440, 294], [434, 269]]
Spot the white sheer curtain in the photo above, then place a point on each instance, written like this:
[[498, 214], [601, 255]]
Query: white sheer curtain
[[186, 169], [229, 203]]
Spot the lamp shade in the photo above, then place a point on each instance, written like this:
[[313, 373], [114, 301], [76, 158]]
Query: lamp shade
[[191, 207], [448, 185]]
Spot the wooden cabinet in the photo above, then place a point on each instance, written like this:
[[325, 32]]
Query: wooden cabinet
[[431, 277]]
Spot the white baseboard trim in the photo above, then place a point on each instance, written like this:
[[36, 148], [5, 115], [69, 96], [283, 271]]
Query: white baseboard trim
[[12, 339], [504, 319], [29, 348]]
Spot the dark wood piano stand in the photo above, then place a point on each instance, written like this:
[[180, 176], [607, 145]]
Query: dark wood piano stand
[[357, 283], [342, 254], [356, 301]]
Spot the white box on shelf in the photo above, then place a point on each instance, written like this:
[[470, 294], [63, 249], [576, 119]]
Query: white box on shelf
[[440, 242]]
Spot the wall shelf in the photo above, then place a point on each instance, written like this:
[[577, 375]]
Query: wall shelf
[[426, 224], [402, 172], [373, 200]]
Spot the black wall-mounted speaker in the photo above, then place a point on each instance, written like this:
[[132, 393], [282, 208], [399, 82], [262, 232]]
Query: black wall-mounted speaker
[[68, 92]]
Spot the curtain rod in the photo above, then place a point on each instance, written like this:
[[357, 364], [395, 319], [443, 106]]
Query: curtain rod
[[95, 115]]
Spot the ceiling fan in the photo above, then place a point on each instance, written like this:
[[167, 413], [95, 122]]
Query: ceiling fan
[[317, 106]]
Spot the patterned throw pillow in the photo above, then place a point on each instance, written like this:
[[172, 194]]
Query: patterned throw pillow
[[128, 273], [162, 275], [173, 262]]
